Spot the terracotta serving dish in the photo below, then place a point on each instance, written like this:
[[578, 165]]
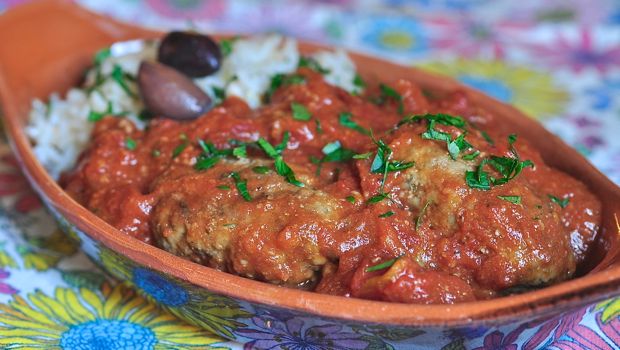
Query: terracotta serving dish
[[46, 46]]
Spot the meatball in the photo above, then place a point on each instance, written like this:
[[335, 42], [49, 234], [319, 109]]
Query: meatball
[[274, 237]]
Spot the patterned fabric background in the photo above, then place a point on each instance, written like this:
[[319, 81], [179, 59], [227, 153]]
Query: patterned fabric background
[[557, 60]]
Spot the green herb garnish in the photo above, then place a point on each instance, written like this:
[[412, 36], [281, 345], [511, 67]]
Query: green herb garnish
[[388, 92], [561, 202], [226, 45], [102, 55], [156, 153], [220, 95], [223, 187], [179, 149], [276, 153], [362, 155], [319, 129], [418, 220], [508, 167], [97, 116], [313, 64], [359, 82], [345, 120], [439, 118], [381, 163], [377, 198], [280, 80], [387, 214], [432, 134], [130, 144], [261, 169], [242, 186], [459, 144], [511, 199], [471, 156], [334, 152], [240, 152], [300, 112], [120, 77], [284, 170], [383, 265], [479, 178], [210, 155], [350, 199]]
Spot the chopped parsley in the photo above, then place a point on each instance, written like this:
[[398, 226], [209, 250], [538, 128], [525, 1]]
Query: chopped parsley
[[313, 64], [220, 95], [280, 80], [388, 92], [439, 118], [156, 153], [487, 138], [240, 152], [281, 167], [226, 45], [471, 156], [120, 77], [561, 202], [223, 187], [459, 144], [268, 148], [377, 198], [179, 149], [507, 167], [511, 199], [381, 162], [261, 169], [242, 186], [456, 146], [350, 199], [345, 120], [319, 129], [102, 55], [362, 155], [478, 179], [97, 116], [334, 152], [300, 112], [383, 265], [210, 155], [130, 144], [418, 220], [359, 82], [284, 170], [387, 214]]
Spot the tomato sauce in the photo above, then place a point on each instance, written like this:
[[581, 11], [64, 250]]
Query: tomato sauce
[[433, 209]]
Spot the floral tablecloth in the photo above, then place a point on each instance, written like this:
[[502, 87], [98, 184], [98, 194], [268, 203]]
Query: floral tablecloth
[[559, 61]]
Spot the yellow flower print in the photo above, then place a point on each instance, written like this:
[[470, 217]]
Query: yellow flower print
[[611, 309], [215, 313], [534, 92], [37, 260], [5, 259], [57, 242], [116, 319]]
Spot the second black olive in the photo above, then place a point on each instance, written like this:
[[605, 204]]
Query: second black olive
[[193, 54]]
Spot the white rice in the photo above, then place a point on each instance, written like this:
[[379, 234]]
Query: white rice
[[61, 128]]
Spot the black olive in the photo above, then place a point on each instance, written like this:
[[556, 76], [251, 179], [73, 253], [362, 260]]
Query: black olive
[[193, 54], [170, 94]]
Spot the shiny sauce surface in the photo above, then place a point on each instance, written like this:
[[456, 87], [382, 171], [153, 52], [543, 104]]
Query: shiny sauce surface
[[376, 202]]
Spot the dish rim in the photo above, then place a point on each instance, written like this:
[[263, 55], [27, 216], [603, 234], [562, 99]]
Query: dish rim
[[553, 299]]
